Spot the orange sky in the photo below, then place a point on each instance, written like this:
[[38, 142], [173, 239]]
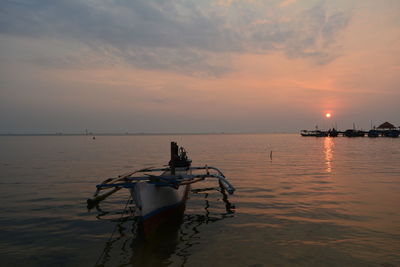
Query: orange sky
[[240, 66]]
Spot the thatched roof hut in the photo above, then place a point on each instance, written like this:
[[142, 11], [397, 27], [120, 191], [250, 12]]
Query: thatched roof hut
[[386, 125]]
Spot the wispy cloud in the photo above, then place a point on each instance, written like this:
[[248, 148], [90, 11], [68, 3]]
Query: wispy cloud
[[287, 3], [190, 37]]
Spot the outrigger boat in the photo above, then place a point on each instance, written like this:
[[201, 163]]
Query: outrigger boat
[[158, 197]]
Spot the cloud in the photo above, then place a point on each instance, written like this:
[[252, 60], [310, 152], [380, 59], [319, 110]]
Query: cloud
[[287, 3], [190, 37], [314, 34]]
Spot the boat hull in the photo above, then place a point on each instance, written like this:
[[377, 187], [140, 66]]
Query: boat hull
[[315, 133], [158, 205]]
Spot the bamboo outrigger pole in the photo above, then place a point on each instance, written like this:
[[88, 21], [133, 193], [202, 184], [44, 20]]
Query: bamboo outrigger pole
[[92, 202]]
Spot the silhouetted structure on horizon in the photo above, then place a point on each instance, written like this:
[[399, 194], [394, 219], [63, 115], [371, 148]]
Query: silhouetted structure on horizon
[[386, 129]]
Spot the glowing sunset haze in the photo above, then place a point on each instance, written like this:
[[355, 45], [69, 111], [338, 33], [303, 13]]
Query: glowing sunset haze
[[198, 66]]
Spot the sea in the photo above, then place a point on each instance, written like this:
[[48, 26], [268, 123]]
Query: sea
[[299, 201]]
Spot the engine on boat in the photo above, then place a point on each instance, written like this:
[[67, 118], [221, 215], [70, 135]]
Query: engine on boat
[[178, 157]]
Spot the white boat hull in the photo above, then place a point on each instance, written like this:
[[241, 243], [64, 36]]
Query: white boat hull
[[158, 203]]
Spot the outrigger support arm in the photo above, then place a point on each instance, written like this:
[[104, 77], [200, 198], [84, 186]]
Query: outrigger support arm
[[189, 168], [169, 180]]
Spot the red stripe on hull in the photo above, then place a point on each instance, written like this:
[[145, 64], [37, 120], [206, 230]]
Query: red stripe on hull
[[168, 217]]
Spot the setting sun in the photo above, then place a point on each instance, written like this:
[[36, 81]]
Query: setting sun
[[328, 115]]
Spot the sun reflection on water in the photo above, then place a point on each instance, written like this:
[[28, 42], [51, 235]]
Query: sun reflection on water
[[328, 150]]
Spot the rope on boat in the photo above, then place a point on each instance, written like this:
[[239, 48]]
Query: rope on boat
[[113, 232]]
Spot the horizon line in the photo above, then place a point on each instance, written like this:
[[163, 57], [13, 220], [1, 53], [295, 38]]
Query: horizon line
[[140, 133]]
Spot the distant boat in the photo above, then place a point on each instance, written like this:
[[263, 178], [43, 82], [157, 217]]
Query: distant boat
[[316, 133], [354, 133], [333, 132], [391, 133], [373, 133]]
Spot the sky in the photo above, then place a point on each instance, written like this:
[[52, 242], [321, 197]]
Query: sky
[[188, 66]]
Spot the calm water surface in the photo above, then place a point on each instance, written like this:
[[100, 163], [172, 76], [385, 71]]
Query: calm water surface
[[317, 202]]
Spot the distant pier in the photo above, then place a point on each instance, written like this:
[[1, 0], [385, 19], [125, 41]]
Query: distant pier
[[384, 130]]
